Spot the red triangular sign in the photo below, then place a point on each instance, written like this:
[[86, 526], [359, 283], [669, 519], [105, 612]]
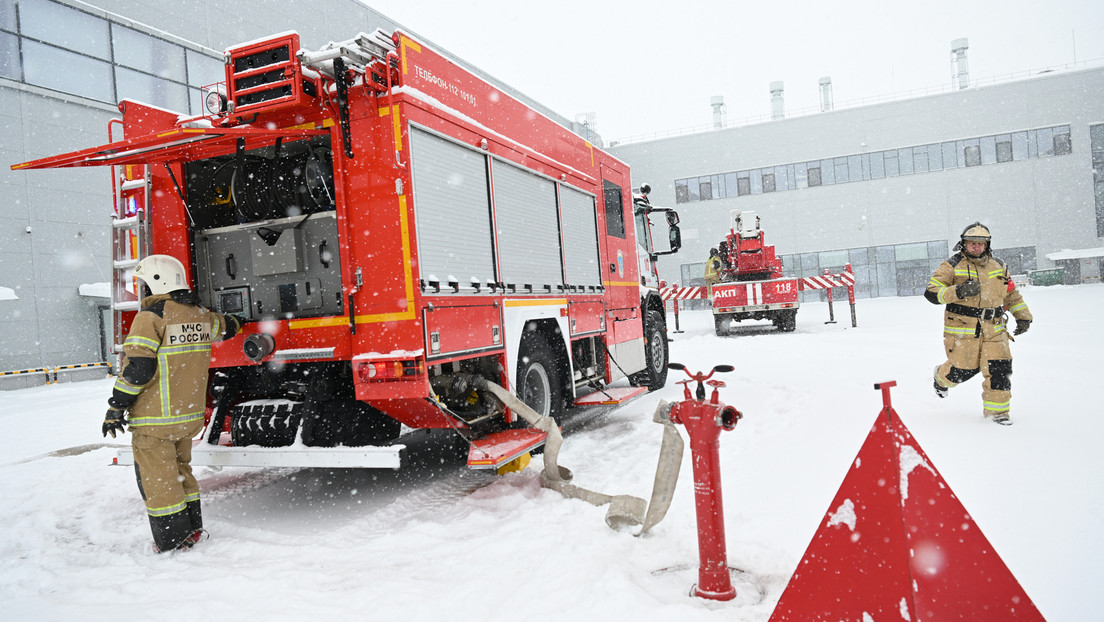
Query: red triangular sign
[[896, 544]]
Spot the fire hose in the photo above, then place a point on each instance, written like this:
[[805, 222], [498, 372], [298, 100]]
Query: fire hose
[[625, 511]]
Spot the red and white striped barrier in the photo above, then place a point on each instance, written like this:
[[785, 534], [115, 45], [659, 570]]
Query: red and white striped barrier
[[682, 293], [826, 282]]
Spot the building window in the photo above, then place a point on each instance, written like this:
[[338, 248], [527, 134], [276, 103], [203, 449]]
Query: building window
[[732, 185], [892, 167], [780, 178], [743, 184], [65, 27], [9, 57], [615, 209], [950, 155], [920, 159], [1062, 143], [904, 158], [983, 150], [1019, 145], [814, 175], [1045, 139], [842, 174], [935, 158], [105, 60], [682, 194], [705, 189], [971, 155], [1004, 148], [1096, 140], [877, 165], [84, 76]]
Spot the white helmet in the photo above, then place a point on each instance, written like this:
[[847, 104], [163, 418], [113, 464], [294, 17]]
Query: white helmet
[[162, 274]]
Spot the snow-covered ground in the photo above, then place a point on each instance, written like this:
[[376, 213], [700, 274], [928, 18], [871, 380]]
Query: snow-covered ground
[[434, 541]]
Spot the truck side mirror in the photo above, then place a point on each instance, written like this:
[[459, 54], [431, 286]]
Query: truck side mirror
[[675, 237], [672, 218]]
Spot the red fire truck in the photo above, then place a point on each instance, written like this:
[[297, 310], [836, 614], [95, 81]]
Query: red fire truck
[[752, 284], [390, 226]]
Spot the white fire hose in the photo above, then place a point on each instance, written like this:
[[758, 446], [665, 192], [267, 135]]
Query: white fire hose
[[624, 510]]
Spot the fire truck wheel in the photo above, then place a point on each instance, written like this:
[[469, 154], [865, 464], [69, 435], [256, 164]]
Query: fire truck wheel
[[786, 321], [654, 375], [538, 379], [721, 325]]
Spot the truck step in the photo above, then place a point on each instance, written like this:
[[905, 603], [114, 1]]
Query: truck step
[[610, 396], [369, 457], [494, 450]]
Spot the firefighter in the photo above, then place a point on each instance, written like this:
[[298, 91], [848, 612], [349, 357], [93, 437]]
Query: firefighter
[[713, 267], [726, 265], [163, 388], [978, 293]]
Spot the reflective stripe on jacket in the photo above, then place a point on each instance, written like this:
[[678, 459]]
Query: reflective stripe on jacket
[[179, 337], [997, 290]]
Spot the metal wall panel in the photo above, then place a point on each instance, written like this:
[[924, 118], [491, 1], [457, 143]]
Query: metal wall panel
[[452, 211], [528, 228]]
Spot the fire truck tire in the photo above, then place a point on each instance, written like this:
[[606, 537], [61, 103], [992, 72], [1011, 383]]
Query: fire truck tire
[[721, 325], [539, 382], [656, 354], [786, 321], [348, 423], [351, 423]]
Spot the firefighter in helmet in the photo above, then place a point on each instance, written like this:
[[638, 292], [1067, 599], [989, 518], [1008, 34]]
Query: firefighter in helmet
[[713, 267], [163, 389], [978, 293]]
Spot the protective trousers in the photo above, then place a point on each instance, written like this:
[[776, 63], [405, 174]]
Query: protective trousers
[[168, 488], [966, 355]]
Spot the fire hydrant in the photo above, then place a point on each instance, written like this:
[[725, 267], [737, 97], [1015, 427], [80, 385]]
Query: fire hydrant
[[704, 422]]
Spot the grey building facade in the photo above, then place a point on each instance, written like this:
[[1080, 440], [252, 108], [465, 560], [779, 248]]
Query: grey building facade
[[64, 65], [889, 187]]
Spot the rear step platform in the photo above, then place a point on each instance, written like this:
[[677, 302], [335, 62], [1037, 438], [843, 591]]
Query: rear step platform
[[616, 395], [368, 457], [494, 450]]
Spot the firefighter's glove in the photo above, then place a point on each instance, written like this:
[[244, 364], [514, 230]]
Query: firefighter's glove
[[1021, 327], [114, 421], [967, 289]]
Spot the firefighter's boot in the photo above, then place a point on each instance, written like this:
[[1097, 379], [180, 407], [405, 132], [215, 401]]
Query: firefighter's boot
[[940, 390]]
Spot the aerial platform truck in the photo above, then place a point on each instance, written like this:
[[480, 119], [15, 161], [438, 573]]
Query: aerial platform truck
[[395, 232], [752, 286]]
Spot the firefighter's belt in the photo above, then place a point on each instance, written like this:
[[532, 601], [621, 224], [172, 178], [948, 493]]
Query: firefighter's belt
[[987, 315]]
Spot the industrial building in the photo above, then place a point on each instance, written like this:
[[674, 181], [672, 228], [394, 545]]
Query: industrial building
[[889, 187]]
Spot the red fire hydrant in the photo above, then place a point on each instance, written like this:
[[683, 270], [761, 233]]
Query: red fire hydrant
[[704, 422]]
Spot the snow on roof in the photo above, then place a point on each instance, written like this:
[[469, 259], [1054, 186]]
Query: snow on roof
[[95, 290], [7, 293], [1084, 253]]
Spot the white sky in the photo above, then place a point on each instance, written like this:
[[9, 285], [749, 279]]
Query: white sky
[[648, 66]]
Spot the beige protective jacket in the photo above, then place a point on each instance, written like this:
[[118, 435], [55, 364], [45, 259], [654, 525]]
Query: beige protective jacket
[[982, 315], [173, 340]]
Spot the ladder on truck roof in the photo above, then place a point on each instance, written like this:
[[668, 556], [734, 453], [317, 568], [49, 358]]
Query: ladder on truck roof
[[130, 241]]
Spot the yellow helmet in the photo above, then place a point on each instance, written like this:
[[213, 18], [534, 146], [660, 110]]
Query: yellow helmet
[[976, 232]]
